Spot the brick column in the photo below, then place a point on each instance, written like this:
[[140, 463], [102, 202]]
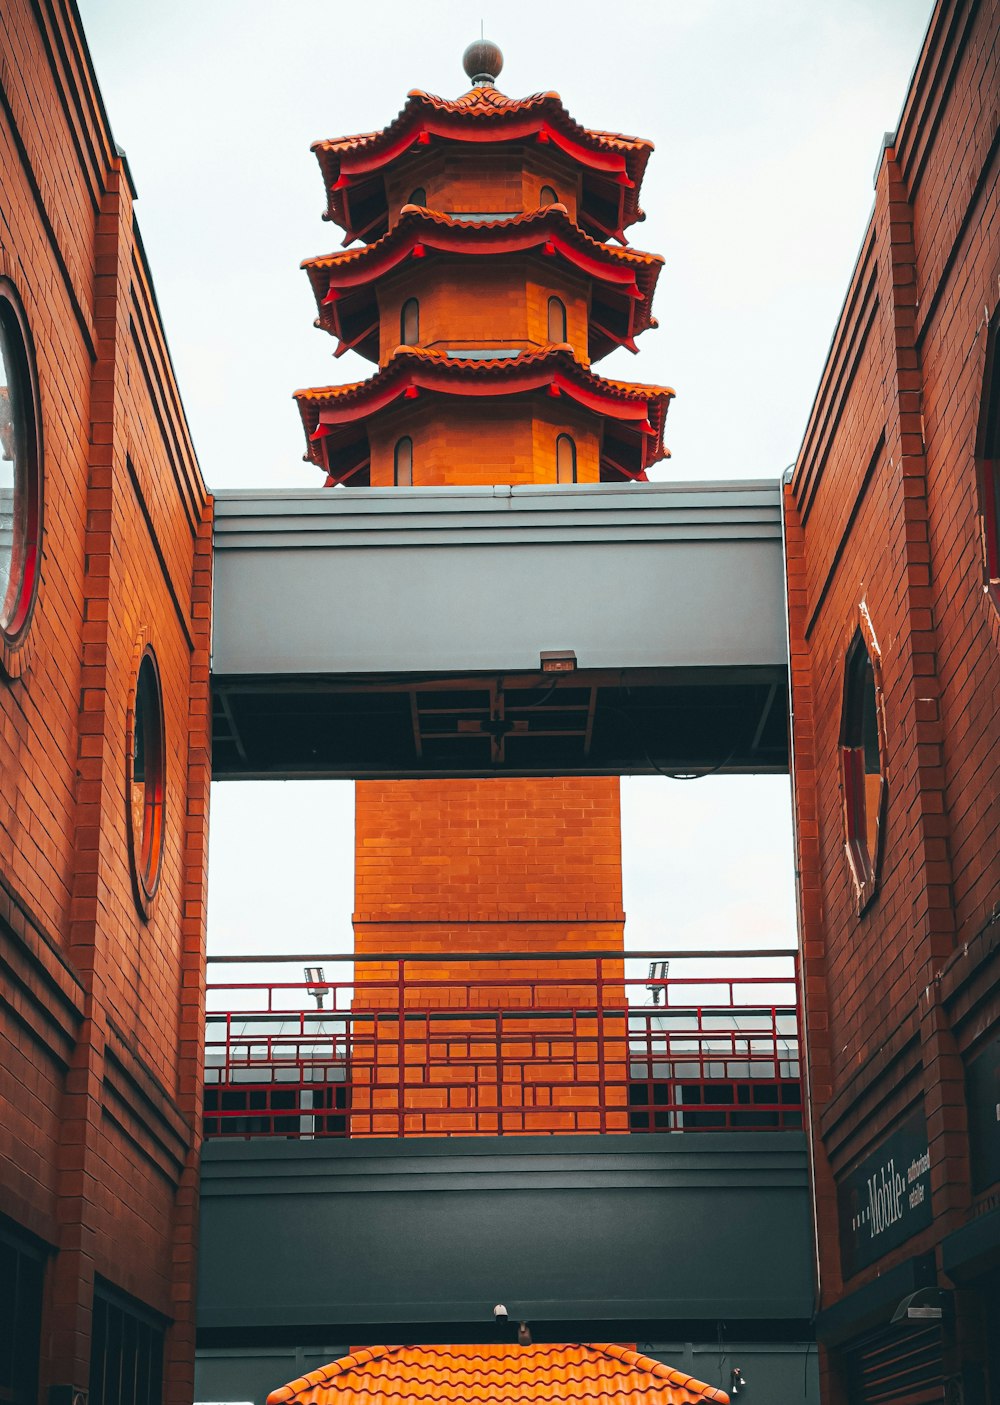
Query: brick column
[[70, 1286], [491, 866], [933, 915]]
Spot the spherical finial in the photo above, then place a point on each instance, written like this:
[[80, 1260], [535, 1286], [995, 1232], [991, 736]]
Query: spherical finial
[[482, 61]]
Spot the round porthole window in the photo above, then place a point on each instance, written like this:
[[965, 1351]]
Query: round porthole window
[[146, 780], [20, 474]]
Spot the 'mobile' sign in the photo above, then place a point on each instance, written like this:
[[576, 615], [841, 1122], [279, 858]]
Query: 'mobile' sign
[[887, 1198]]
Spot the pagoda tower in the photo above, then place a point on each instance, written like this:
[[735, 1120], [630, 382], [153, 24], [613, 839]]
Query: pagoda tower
[[484, 287]]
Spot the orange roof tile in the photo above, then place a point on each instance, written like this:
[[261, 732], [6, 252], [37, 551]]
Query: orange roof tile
[[561, 357], [343, 283], [480, 228], [486, 102], [636, 413], [336, 418], [543, 1374], [353, 166]]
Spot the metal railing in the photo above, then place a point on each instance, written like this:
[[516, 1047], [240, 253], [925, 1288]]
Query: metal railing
[[466, 1043]]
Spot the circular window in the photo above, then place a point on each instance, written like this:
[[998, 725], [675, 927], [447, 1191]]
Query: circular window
[[146, 779], [20, 472]]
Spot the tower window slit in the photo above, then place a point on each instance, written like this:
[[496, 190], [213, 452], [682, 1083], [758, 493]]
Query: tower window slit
[[403, 463], [565, 459], [409, 322], [558, 331]]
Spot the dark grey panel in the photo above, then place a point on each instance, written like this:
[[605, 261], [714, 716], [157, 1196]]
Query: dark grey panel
[[601, 1229], [774, 1371], [974, 1249], [786, 1372], [249, 1374]]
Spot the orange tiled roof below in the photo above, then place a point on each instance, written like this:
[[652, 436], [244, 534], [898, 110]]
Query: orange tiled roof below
[[599, 1374]]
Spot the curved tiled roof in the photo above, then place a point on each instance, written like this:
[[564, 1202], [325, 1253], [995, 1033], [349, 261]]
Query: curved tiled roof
[[350, 163], [409, 361], [637, 412], [487, 102], [543, 1374], [343, 283]]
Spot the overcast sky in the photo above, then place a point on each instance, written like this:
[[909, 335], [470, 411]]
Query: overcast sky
[[767, 118]]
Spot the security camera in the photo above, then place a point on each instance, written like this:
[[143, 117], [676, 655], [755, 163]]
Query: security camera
[[500, 1313]]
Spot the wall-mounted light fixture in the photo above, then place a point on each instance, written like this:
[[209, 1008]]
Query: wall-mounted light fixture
[[314, 975], [658, 972], [925, 1305]]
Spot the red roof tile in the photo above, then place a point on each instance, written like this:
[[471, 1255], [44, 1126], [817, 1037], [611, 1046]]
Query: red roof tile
[[408, 360], [487, 102], [343, 283], [610, 160], [543, 1374], [636, 412]]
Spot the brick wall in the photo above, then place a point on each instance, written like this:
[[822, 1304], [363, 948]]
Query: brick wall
[[482, 302], [462, 181], [100, 1030], [881, 513], [490, 866], [457, 441], [499, 850]]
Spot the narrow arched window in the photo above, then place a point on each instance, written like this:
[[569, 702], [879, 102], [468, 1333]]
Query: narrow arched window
[[547, 196], [557, 320], [20, 473], [402, 474], [409, 323], [988, 457], [565, 459], [418, 197], [862, 759]]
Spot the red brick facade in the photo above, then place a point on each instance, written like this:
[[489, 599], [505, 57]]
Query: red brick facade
[[101, 1019], [883, 518], [494, 866]]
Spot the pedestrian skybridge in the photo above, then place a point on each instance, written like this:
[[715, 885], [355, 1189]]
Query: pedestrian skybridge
[[570, 630]]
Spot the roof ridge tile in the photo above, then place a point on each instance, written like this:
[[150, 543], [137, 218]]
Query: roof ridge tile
[[420, 214]]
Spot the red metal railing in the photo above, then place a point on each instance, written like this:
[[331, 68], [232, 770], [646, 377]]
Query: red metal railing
[[466, 1044]]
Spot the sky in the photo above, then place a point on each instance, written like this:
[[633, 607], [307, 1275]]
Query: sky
[[768, 121]]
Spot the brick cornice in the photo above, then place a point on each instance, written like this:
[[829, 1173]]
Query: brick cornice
[[417, 916]]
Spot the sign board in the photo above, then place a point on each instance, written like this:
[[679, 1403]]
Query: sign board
[[982, 1089], [886, 1198]]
